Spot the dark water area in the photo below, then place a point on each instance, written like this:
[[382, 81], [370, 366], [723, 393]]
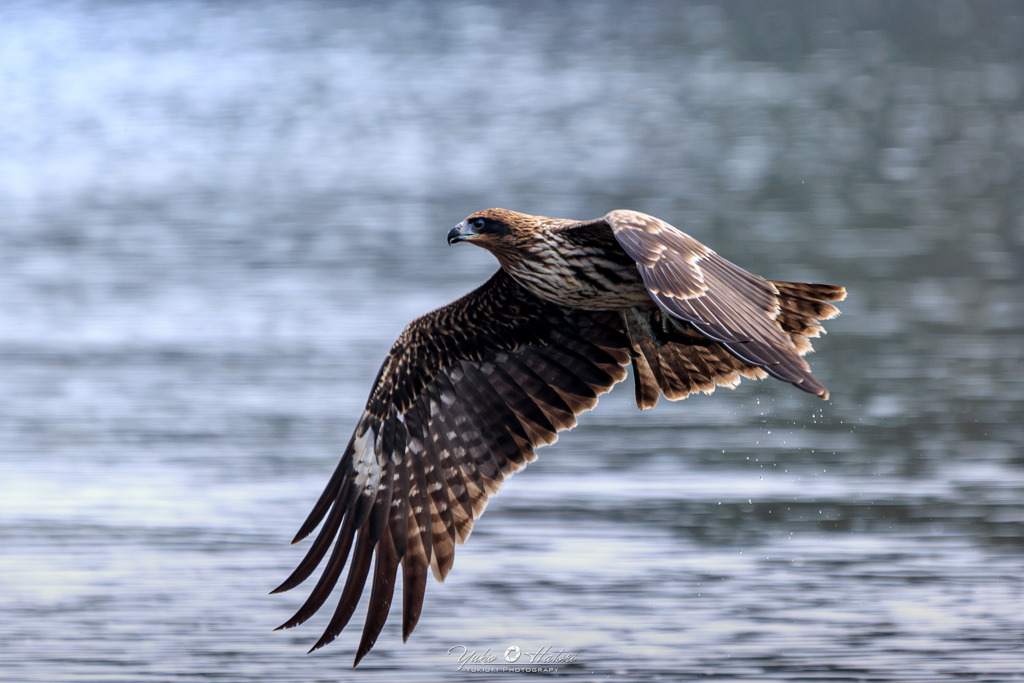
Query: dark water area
[[216, 217]]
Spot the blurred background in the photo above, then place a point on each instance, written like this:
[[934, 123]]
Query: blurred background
[[215, 218]]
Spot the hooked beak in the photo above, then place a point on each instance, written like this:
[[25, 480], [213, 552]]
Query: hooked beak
[[460, 233]]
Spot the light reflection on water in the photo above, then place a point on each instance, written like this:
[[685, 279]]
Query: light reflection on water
[[218, 218]]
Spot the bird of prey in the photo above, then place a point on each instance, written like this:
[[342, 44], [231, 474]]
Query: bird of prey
[[468, 391]]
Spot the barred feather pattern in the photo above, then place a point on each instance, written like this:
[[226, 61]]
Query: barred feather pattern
[[803, 306], [461, 402], [678, 367], [725, 303], [469, 391]]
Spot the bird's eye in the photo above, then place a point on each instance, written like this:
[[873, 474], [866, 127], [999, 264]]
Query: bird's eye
[[478, 224]]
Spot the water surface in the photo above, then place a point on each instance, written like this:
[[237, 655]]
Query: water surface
[[217, 217]]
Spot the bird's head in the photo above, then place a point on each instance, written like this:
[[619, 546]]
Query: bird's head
[[499, 231], [485, 228]]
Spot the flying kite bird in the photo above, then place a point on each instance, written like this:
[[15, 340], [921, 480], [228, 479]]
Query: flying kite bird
[[469, 390]]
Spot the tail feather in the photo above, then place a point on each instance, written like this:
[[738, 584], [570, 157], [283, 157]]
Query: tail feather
[[802, 306], [675, 361]]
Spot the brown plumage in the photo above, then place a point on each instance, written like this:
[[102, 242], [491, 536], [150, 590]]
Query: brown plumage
[[469, 390]]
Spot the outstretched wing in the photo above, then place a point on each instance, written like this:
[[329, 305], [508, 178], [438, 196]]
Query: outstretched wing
[[720, 300], [461, 402]]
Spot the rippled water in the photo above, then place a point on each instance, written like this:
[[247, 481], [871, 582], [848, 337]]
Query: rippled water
[[217, 217]]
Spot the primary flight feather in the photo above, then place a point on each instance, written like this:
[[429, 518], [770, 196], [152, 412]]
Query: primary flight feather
[[468, 391]]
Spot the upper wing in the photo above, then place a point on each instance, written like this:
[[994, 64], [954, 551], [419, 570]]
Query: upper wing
[[723, 302], [465, 395]]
